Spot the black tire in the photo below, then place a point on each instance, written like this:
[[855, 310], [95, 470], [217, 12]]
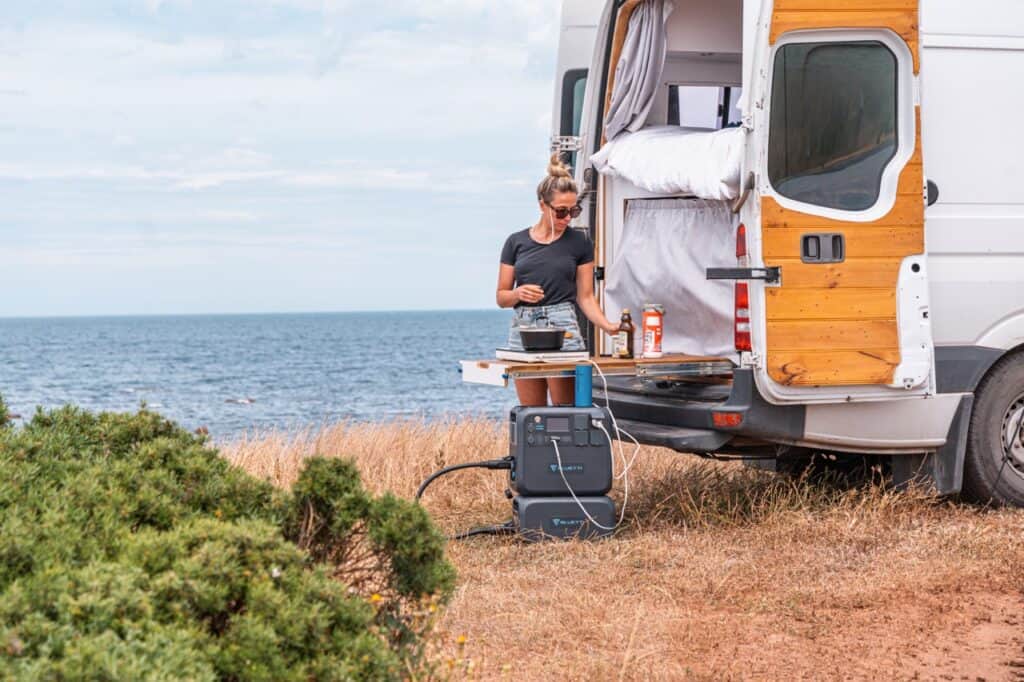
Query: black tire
[[994, 463]]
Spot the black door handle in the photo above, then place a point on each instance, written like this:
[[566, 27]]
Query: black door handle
[[823, 247]]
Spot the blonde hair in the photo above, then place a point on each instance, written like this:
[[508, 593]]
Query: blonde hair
[[558, 179]]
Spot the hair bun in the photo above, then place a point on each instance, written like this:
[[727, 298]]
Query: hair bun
[[557, 169]]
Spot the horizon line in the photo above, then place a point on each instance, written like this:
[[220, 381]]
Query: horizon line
[[241, 314]]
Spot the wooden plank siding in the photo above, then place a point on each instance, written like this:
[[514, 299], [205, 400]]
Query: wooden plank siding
[[835, 324], [899, 16]]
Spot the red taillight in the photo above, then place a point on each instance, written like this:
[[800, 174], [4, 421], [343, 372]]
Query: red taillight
[[727, 419], [742, 317], [741, 241]]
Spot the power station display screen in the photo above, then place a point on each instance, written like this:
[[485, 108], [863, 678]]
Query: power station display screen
[[558, 424]]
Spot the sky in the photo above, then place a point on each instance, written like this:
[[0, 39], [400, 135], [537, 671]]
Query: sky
[[208, 156]]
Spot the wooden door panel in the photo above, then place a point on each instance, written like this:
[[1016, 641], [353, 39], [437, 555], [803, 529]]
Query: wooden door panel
[[906, 213], [899, 16], [835, 324], [854, 272], [787, 305], [864, 242], [833, 368], [848, 5], [834, 334], [912, 178]]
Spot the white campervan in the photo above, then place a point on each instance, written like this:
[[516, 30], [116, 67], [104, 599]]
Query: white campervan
[[816, 191]]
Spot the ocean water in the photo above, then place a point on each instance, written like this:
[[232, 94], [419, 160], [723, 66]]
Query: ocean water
[[235, 373]]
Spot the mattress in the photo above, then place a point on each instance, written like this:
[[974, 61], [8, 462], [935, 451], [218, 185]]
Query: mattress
[[674, 160]]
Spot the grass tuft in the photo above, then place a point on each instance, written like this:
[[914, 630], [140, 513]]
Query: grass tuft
[[720, 571]]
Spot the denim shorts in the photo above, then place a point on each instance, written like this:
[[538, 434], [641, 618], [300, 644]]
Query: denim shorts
[[559, 315]]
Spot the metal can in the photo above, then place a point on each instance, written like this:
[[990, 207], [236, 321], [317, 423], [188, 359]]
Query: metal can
[[653, 325]]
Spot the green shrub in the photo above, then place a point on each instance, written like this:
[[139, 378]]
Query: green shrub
[[130, 549]]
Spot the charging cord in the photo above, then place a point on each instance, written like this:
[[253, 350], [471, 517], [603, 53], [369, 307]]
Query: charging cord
[[561, 471], [627, 464], [503, 463]]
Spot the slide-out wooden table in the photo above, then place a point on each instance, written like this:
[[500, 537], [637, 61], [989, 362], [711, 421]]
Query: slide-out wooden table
[[498, 372]]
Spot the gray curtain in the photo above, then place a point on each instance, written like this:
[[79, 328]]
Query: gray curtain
[[661, 256], [639, 69]]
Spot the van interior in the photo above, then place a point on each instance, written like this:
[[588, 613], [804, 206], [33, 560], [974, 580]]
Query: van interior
[[668, 182]]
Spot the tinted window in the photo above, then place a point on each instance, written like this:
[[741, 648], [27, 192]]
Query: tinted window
[[574, 85], [833, 123]]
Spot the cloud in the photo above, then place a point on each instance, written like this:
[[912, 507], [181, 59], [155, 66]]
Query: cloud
[[164, 131], [340, 175]]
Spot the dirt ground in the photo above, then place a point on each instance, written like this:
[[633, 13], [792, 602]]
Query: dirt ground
[[719, 573]]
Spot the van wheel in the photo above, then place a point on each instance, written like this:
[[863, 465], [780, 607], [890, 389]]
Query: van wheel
[[994, 463]]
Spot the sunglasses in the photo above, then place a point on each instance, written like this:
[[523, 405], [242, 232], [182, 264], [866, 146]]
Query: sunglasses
[[562, 212]]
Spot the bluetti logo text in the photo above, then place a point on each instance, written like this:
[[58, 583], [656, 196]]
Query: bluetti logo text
[[565, 523], [567, 468]]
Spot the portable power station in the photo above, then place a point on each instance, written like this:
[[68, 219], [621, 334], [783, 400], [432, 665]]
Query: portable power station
[[559, 473], [540, 518], [584, 449]]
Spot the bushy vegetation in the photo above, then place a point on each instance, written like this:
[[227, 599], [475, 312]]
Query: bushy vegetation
[[129, 549]]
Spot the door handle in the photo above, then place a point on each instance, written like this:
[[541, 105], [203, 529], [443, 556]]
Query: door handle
[[745, 191], [823, 247]]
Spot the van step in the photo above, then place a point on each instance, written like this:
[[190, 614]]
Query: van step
[[678, 438]]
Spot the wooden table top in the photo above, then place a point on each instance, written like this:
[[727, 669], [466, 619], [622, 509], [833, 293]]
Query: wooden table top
[[606, 363]]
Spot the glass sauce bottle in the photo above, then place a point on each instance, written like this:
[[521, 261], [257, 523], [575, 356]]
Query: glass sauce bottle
[[622, 342]]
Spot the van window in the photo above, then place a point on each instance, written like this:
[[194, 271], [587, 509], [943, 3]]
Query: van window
[[703, 106], [833, 122], [574, 85]]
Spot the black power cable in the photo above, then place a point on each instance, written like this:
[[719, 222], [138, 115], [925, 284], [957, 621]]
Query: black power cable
[[504, 463], [507, 528]]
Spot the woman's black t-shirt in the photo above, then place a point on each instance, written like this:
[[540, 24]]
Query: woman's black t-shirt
[[550, 266]]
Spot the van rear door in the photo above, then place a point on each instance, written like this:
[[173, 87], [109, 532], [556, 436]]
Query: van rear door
[[841, 206]]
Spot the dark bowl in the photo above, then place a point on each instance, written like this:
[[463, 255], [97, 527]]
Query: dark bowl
[[542, 338]]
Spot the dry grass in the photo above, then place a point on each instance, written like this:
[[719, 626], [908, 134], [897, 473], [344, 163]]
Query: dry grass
[[722, 572]]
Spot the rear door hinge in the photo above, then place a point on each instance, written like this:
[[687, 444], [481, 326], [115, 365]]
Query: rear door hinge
[[771, 274], [566, 144]]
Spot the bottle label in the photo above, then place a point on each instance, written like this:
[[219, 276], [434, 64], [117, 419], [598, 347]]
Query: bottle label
[[620, 344]]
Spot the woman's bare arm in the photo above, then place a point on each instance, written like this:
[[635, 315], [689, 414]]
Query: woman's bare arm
[[586, 300], [507, 296]]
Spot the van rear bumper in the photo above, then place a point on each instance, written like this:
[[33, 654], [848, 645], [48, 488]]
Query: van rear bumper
[[687, 423]]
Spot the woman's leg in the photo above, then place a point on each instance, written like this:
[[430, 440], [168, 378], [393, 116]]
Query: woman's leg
[[532, 392], [563, 391]]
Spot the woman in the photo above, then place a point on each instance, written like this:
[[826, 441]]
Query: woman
[[544, 270]]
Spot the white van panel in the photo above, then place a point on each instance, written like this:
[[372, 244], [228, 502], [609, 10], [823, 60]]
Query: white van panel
[[889, 426], [997, 18], [578, 30], [581, 13], [976, 297], [1007, 334], [970, 63]]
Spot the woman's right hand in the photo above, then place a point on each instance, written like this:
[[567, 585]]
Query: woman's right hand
[[528, 293]]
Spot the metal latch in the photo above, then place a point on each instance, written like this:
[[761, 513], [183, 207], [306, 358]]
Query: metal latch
[[566, 144], [599, 273], [771, 274]]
